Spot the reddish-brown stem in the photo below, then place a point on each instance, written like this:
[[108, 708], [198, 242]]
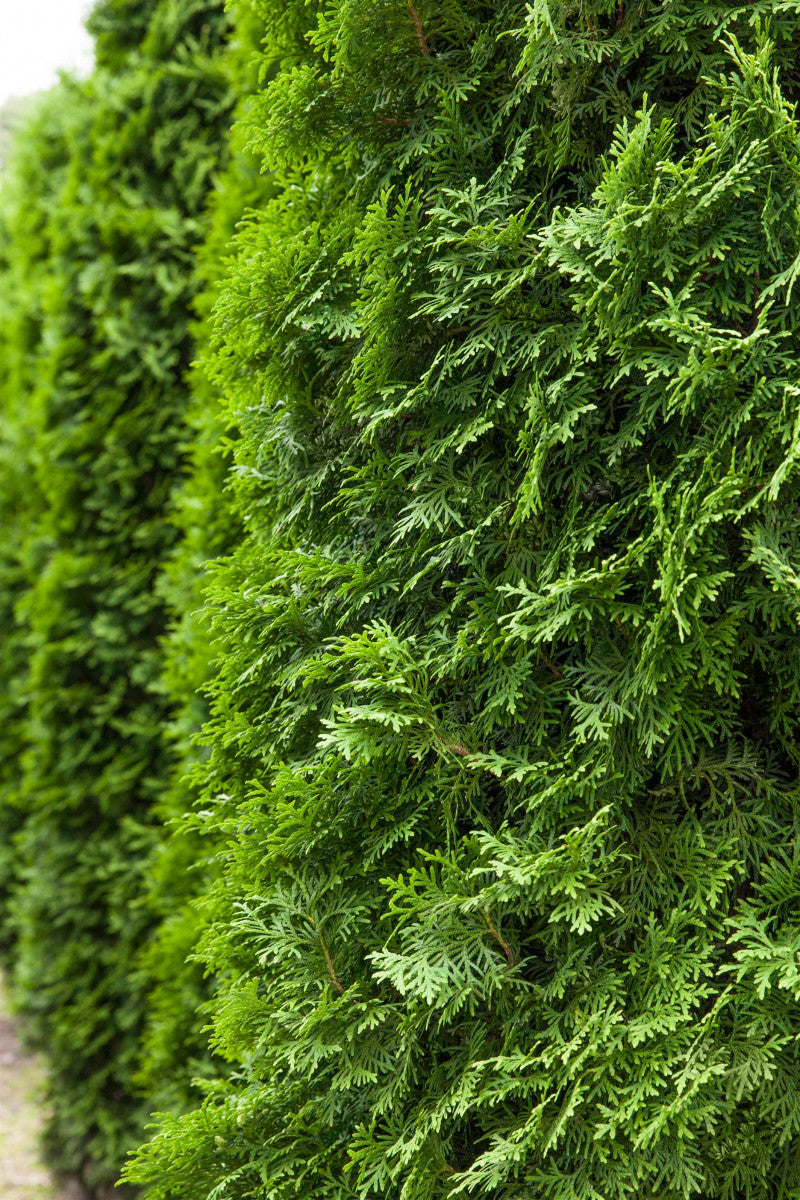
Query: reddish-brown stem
[[329, 961], [457, 748], [497, 935], [423, 41], [620, 14], [389, 121], [551, 666], [327, 953]]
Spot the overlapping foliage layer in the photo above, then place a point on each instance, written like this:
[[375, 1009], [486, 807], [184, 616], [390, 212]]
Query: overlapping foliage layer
[[175, 1049], [489, 843], [96, 383], [503, 731]]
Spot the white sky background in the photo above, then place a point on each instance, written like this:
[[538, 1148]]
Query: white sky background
[[37, 39]]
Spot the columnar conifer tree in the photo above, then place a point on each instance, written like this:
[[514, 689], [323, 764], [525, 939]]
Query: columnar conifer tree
[[107, 428], [503, 745]]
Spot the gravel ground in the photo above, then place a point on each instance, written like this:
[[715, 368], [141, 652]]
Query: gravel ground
[[22, 1176]]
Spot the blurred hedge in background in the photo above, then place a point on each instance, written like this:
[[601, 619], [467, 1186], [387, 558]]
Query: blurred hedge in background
[[102, 286], [30, 184], [474, 560]]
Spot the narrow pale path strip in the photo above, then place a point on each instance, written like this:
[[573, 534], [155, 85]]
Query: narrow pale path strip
[[22, 1176]]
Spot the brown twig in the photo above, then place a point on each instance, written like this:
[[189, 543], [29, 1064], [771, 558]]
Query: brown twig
[[329, 961], [327, 953], [620, 14], [457, 748], [497, 935], [389, 121], [423, 41], [551, 666]]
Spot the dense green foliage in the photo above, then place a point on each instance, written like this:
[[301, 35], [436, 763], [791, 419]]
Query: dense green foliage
[[503, 730], [175, 1049], [31, 181], [488, 846], [104, 397]]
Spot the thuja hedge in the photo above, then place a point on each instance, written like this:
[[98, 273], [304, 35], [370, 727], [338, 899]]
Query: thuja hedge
[[502, 752], [31, 179], [489, 845], [175, 1051], [99, 401]]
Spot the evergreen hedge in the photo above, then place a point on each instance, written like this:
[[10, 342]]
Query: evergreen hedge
[[31, 181], [488, 846], [502, 749], [175, 1052], [106, 400]]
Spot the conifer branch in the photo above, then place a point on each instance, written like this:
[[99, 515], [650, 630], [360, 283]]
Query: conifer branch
[[551, 666], [497, 935], [423, 41], [330, 964], [327, 953], [329, 961]]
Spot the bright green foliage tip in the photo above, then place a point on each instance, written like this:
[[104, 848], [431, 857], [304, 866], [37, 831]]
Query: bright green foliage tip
[[503, 749], [175, 1049], [100, 399]]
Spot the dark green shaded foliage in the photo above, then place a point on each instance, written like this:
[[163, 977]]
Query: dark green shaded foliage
[[31, 180], [107, 427], [502, 749]]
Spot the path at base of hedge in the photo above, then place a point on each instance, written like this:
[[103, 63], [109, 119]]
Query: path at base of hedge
[[22, 1177]]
